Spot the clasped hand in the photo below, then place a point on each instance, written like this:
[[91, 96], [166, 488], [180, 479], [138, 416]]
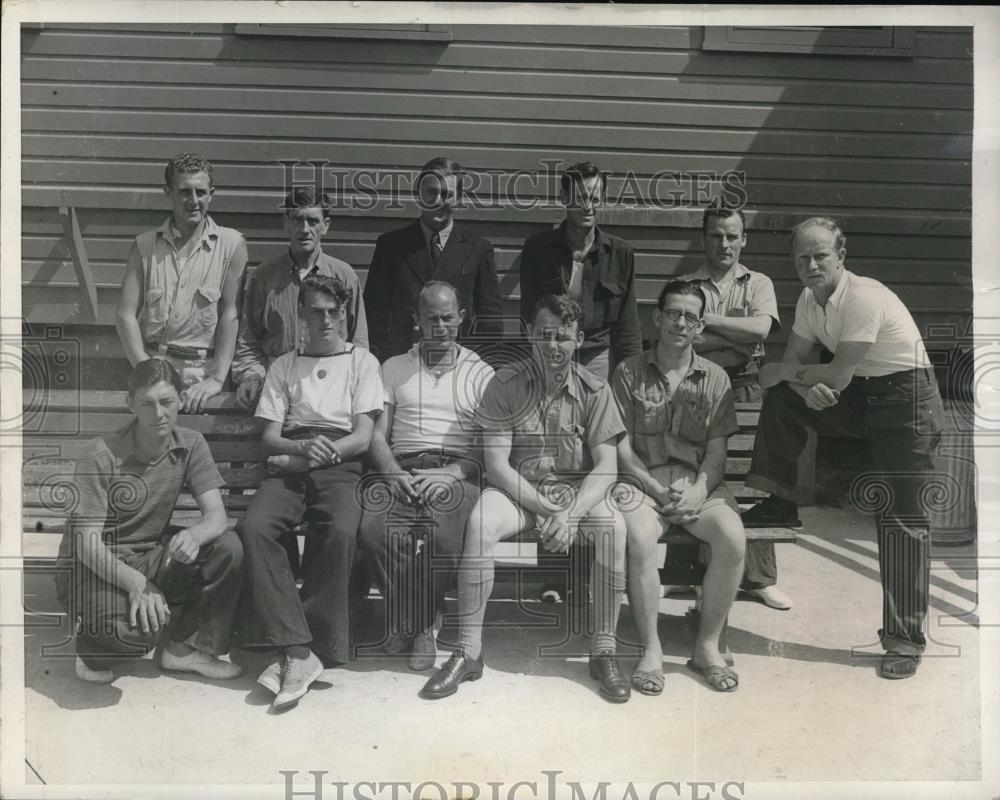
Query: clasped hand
[[680, 502]]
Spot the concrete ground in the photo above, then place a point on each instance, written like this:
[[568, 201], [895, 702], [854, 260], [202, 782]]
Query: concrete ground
[[810, 705]]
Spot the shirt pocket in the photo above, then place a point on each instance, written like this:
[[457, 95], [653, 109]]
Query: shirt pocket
[[693, 421], [155, 303], [649, 417], [609, 296], [206, 307], [570, 448]]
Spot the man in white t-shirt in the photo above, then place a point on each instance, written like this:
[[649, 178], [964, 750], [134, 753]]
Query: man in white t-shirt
[[879, 386], [320, 405], [423, 464]]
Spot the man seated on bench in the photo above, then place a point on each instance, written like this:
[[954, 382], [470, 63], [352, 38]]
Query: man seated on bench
[[132, 577], [423, 449], [550, 429], [679, 411], [320, 404], [182, 281]]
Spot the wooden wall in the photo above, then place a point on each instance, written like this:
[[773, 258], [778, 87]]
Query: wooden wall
[[884, 144]]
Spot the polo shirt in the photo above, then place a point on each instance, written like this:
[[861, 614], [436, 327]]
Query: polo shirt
[[741, 293], [863, 310], [181, 293], [132, 500], [302, 391], [551, 439], [434, 409], [269, 326], [673, 424]]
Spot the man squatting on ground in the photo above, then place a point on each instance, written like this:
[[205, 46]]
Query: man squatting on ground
[[135, 580], [740, 312], [550, 429], [679, 412], [180, 293], [425, 456], [879, 386], [270, 324], [320, 404]]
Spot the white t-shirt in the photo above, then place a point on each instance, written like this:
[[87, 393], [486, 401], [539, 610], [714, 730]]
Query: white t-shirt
[[434, 411], [325, 391], [863, 310]]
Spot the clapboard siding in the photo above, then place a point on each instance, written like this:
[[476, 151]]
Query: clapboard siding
[[884, 144]]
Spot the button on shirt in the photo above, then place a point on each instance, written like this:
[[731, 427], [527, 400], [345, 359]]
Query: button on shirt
[[130, 499], [551, 439], [863, 310], [434, 409], [741, 293], [181, 293], [673, 424], [269, 326]]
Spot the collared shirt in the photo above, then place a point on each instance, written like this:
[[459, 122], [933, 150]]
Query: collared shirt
[[741, 293], [181, 293], [863, 310], [434, 409], [673, 424], [554, 438], [130, 499], [303, 391], [610, 315], [443, 234], [270, 322]]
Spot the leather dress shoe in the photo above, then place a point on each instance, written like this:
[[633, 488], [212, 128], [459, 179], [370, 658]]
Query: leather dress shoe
[[604, 668], [456, 669]]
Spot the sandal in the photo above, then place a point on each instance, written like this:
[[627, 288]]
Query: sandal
[[648, 682], [716, 676], [896, 666]]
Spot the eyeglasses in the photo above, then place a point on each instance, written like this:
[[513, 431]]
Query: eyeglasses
[[673, 317]]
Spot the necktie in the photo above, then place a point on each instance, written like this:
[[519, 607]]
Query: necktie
[[435, 248]]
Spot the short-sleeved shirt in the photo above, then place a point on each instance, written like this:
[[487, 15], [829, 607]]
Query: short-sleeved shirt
[[269, 326], [863, 310], [741, 293], [303, 391], [551, 439], [181, 293], [673, 424], [434, 409], [130, 499]]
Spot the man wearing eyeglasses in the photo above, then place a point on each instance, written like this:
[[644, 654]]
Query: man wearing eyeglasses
[[679, 412], [740, 313]]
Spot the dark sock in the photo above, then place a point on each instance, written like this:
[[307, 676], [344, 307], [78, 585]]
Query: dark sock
[[299, 651]]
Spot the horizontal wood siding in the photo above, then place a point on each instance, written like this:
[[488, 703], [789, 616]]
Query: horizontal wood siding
[[883, 144]]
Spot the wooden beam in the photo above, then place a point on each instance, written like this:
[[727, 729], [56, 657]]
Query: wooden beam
[[81, 264]]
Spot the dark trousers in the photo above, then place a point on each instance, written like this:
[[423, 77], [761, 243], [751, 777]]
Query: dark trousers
[[203, 598], [760, 567], [413, 550], [902, 415], [273, 612]]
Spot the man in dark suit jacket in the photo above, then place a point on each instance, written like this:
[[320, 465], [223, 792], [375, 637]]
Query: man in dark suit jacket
[[434, 247]]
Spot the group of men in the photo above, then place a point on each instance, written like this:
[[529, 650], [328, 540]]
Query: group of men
[[588, 439]]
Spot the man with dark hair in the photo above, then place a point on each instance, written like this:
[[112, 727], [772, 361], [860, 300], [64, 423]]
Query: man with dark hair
[[319, 403], [433, 247], [594, 268], [679, 412], [424, 449], [550, 429], [180, 292], [131, 577], [879, 386], [740, 313], [270, 323]]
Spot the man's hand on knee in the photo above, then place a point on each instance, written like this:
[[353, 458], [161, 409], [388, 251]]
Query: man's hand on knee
[[148, 609]]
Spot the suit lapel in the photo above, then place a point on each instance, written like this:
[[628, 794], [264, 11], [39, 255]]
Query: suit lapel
[[415, 254], [456, 252]]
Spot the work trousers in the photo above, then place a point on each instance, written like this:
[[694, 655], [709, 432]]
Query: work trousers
[[274, 613], [902, 415]]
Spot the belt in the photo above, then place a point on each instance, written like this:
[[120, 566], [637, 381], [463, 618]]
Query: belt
[[429, 459], [738, 376], [178, 351]]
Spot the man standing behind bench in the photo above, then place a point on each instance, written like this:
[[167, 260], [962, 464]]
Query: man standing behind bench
[[319, 404], [740, 312], [880, 386], [269, 326], [133, 577], [180, 293], [679, 412]]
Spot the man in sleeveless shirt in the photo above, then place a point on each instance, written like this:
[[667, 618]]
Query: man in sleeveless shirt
[[180, 292]]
